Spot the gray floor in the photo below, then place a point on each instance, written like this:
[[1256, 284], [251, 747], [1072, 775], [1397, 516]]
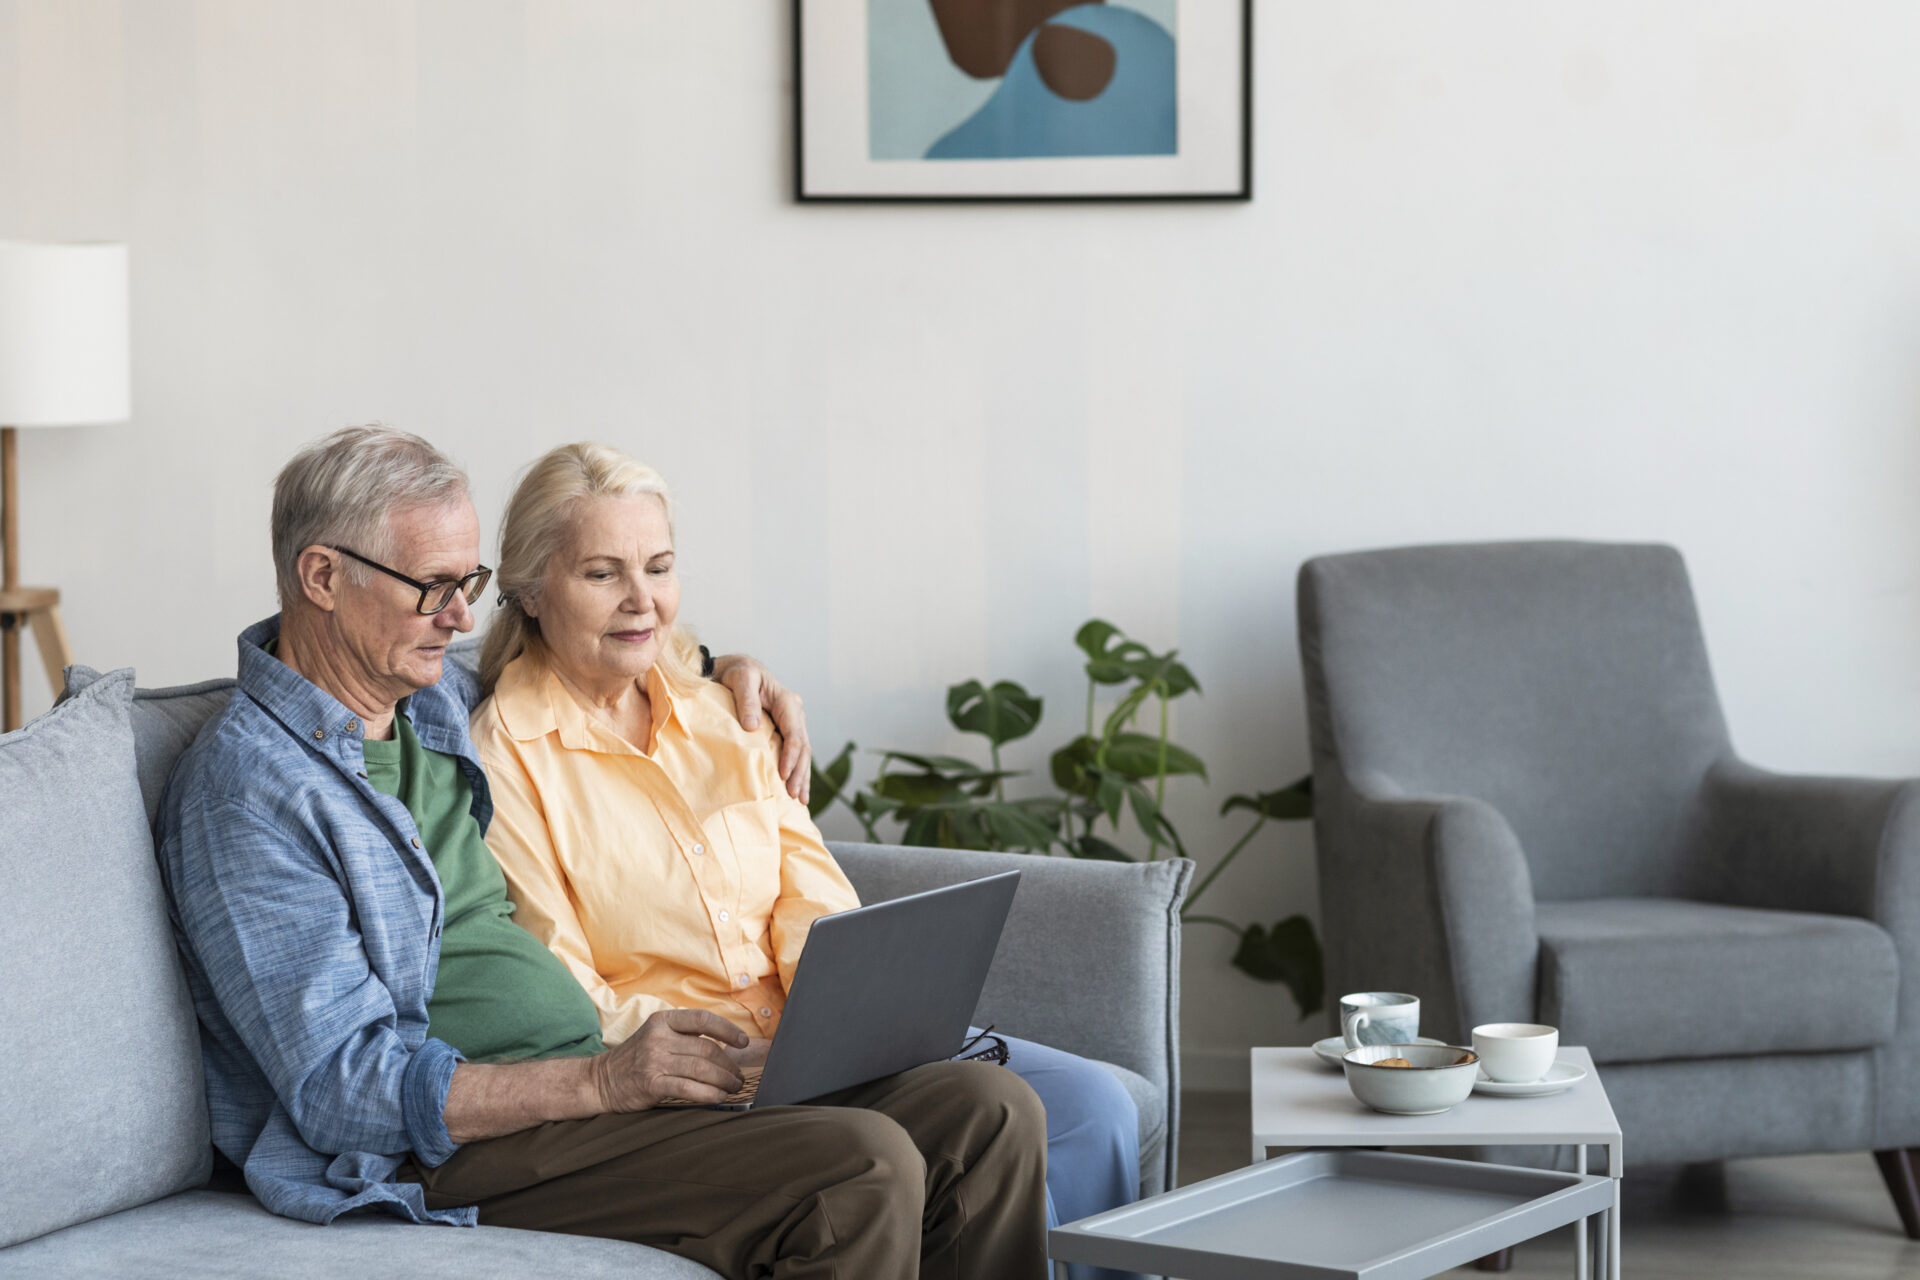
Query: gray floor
[[1784, 1218]]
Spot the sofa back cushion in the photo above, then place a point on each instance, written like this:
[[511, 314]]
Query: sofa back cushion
[[166, 720], [101, 1086]]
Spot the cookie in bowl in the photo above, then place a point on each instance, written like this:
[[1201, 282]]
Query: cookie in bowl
[[1410, 1079]]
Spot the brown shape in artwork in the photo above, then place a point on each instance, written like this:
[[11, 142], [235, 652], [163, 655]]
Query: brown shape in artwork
[[1073, 63], [983, 35]]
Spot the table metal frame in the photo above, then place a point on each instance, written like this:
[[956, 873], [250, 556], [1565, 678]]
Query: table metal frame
[[1298, 1101]]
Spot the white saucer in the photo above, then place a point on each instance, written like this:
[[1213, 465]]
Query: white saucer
[[1334, 1048], [1560, 1077]]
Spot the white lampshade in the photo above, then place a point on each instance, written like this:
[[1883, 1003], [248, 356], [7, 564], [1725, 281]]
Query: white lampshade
[[63, 334]]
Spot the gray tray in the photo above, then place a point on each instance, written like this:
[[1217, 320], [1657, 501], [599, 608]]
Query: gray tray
[[1333, 1215]]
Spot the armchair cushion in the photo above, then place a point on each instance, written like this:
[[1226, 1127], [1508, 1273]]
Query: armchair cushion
[[1644, 979]]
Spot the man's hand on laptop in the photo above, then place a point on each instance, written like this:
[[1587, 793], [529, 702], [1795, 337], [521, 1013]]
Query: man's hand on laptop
[[676, 1053]]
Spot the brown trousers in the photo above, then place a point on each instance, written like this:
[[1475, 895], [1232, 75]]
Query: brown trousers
[[937, 1172]]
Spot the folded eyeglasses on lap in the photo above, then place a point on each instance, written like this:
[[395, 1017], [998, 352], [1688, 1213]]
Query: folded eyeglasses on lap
[[435, 595]]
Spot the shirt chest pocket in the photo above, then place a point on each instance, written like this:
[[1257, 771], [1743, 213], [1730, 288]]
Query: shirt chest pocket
[[752, 831]]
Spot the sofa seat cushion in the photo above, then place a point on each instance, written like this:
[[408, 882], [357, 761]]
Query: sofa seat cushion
[[219, 1234], [1646, 979]]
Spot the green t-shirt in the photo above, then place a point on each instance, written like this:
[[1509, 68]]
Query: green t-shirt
[[500, 995]]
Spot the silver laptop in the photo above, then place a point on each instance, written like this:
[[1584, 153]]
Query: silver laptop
[[881, 989]]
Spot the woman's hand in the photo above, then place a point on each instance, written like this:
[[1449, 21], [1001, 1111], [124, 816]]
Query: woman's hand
[[754, 691]]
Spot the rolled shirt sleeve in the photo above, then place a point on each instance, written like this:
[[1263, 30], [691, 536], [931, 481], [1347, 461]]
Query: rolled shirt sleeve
[[423, 1101]]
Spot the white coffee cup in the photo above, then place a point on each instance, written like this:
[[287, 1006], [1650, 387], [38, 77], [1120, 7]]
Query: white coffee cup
[[1515, 1052], [1379, 1017]]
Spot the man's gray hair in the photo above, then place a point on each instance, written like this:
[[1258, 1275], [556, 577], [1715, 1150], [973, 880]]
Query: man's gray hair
[[341, 491]]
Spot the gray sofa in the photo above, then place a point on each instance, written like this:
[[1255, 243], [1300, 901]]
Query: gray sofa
[[1528, 808], [106, 1159]]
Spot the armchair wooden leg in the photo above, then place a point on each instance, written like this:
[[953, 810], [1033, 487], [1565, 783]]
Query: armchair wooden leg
[[1901, 1169], [1501, 1261]]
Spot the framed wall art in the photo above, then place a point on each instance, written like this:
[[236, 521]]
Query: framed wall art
[[1023, 99]]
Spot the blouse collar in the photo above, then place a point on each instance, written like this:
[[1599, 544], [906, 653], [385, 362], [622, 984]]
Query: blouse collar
[[533, 702]]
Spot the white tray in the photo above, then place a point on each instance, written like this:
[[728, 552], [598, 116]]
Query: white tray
[[1333, 1215]]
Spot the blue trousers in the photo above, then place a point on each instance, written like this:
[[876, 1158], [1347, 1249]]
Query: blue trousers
[[1093, 1138]]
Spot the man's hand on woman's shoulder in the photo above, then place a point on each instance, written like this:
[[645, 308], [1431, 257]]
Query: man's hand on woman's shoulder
[[755, 692]]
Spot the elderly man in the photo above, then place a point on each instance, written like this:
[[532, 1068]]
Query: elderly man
[[336, 924]]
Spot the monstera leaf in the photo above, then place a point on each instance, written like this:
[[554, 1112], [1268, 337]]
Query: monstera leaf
[[1114, 659], [1015, 826], [1291, 802], [1138, 756], [1070, 765], [1002, 711], [1101, 850], [1288, 953], [938, 779], [828, 783], [1111, 657]]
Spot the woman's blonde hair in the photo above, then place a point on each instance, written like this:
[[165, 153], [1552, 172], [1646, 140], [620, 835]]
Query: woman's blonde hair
[[543, 507]]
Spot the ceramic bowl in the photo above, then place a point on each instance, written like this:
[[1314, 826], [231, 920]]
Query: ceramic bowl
[[1441, 1075]]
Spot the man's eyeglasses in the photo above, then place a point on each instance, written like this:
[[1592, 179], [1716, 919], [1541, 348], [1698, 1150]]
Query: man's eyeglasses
[[435, 595]]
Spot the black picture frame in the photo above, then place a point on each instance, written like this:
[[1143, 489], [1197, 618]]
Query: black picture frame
[[1240, 193]]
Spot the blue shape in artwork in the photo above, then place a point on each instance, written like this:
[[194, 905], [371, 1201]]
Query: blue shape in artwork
[[1137, 114]]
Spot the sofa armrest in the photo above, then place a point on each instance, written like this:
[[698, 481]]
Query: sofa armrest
[[1090, 958], [1429, 894], [1839, 846]]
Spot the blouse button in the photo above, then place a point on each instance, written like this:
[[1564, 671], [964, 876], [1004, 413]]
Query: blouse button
[[699, 848], [743, 979], [765, 1012], [724, 917]]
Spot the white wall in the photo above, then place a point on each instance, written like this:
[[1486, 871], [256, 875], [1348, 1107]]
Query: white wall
[[1635, 269]]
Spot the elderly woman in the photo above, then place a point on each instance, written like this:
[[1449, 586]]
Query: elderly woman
[[645, 835]]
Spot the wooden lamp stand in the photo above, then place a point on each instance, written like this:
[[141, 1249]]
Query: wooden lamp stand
[[20, 607], [64, 326]]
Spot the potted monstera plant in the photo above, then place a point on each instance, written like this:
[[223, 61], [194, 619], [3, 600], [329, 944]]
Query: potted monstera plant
[[1106, 796]]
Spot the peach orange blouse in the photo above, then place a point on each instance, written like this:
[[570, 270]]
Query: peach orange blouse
[[679, 877]]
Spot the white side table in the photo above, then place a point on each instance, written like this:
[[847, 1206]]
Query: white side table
[[1299, 1101]]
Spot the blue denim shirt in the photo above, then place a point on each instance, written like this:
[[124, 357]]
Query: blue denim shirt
[[309, 918]]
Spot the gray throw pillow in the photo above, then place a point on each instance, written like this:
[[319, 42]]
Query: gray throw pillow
[[165, 722], [101, 1085]]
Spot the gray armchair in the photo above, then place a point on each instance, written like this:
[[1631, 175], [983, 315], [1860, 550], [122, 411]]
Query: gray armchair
[[1528, 809]]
